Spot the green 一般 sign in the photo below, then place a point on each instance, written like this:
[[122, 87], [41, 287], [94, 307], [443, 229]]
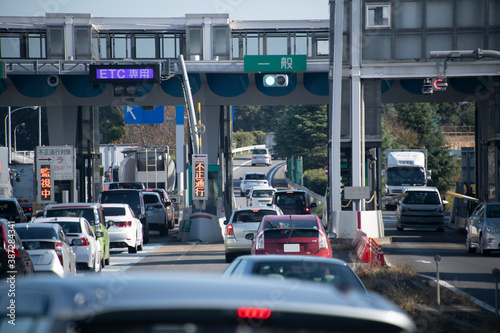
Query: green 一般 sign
[[275, 63]]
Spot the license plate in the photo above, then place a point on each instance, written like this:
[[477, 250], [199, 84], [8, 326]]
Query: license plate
[[291, 247]]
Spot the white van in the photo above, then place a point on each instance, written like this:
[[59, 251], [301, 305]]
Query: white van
[[420, 207]]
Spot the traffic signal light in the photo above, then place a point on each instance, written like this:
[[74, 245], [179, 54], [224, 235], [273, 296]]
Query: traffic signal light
[[275, 80], [427, 86], [125, 90], [439, 83]]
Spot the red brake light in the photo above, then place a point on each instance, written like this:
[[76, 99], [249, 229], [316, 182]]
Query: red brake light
[[57, 247], [308, 210], [124, 224], [254, 313], [229, 230], [85, 242]]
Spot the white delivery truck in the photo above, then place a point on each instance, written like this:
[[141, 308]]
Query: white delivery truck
[[404, 168]]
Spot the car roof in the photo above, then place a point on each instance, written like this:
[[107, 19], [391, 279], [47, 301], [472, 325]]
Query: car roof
[[292, 258], [73, 205], [311, 217], [38, 225], [420, 188], [57, 219], [262, 187], [255, 173], [144, 294], [115, 205], [255, 208]]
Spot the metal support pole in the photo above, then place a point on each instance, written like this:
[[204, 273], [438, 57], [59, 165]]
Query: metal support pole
[[437, 258]]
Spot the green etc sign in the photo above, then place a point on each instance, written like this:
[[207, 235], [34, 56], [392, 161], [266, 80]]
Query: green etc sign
[[275, 63]]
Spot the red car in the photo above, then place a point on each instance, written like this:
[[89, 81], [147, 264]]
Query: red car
[[292, 234]]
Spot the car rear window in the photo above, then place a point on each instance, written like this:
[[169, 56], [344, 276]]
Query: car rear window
[[252, 215], [421, 197], [262, 193], [287, 233], [255, 177], [129, 197], [70, 227], [114, 211], [137, 186], [7, 207], [291, 224], [290, 199], [149, 199], [259, 151], [87, 213], [36, 233]]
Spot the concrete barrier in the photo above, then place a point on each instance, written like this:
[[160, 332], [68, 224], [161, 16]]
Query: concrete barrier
[[346, 223], [200, 226]]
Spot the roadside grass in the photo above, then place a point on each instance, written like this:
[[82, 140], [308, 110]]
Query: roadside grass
[[417, 296]]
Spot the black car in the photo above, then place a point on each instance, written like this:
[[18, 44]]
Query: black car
[[10, 244], [293, 202], [126, 185], [135, 199], [11, 210]]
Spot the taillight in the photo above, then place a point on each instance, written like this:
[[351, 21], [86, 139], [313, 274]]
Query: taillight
[[260, 245], [124, 224], [308, 209], [265, 182], [254, 313], [229, 230], [250, 202], [323, 242], [85, 242], [58, 248]]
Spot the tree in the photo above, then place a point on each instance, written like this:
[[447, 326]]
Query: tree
[[303, 131]]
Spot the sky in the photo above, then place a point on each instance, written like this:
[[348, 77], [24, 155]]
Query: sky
[[237, 9]]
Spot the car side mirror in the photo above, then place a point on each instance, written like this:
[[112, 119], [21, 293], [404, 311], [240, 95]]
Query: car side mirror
[[445, 202], [313, 205], [250, 236], [332, 235], [76, 242], [168, 203], [99, 234], [226, 222], [111, 223]]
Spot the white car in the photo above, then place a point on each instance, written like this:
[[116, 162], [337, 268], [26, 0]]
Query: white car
[[125, 229], [261, 156], [244, 221], [49, 248], [250, 180], [260, 196], [82, 239]]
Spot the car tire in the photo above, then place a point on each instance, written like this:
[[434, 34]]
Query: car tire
[[107, 260], [103, 263], [132, 249], [230, 257], [468, 246], [140, 246], [482, 250], [242, 194], [164, 230]]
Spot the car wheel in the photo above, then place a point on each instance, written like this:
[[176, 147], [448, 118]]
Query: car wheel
[[140, 246], [103, 263], [242, 194], [132, 249], [106, 261], [470, 249], [164, 230], [230, 257]]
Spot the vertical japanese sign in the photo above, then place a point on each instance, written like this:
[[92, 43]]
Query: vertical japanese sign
[[200, 175], [46, 193]]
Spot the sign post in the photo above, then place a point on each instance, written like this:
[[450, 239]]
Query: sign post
[[53, 163]]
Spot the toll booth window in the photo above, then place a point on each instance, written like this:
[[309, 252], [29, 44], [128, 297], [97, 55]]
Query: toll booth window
[[378, 16]]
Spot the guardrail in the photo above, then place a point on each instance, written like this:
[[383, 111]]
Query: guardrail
[[245, 149]]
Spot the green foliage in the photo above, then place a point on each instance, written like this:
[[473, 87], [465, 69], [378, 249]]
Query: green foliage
[[257, 118], [244, 139], [111, 124], [315, 180], [304, 132]]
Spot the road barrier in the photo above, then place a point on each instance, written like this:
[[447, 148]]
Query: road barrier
[[368, 250]]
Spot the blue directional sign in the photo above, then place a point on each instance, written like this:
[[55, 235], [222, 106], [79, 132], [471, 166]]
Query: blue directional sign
[[137, 115]]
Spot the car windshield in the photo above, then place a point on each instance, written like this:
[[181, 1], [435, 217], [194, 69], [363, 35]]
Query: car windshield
[[422, 198], [35, 233], [87, 213], [137, 186], [254, 215], [339, 276], [114, 211]]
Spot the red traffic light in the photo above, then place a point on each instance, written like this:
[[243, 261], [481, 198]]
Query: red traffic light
[[439, 83]]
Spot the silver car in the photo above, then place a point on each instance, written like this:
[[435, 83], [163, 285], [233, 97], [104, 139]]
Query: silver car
[[83, 241], [156, 213], [261, 156], [483, 229], [244, 221], [49, 248]]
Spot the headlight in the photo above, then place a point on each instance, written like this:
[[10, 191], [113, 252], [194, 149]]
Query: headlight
[[493, 229]]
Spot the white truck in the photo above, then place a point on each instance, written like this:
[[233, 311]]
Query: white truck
[[404, 168], [270, 143]]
